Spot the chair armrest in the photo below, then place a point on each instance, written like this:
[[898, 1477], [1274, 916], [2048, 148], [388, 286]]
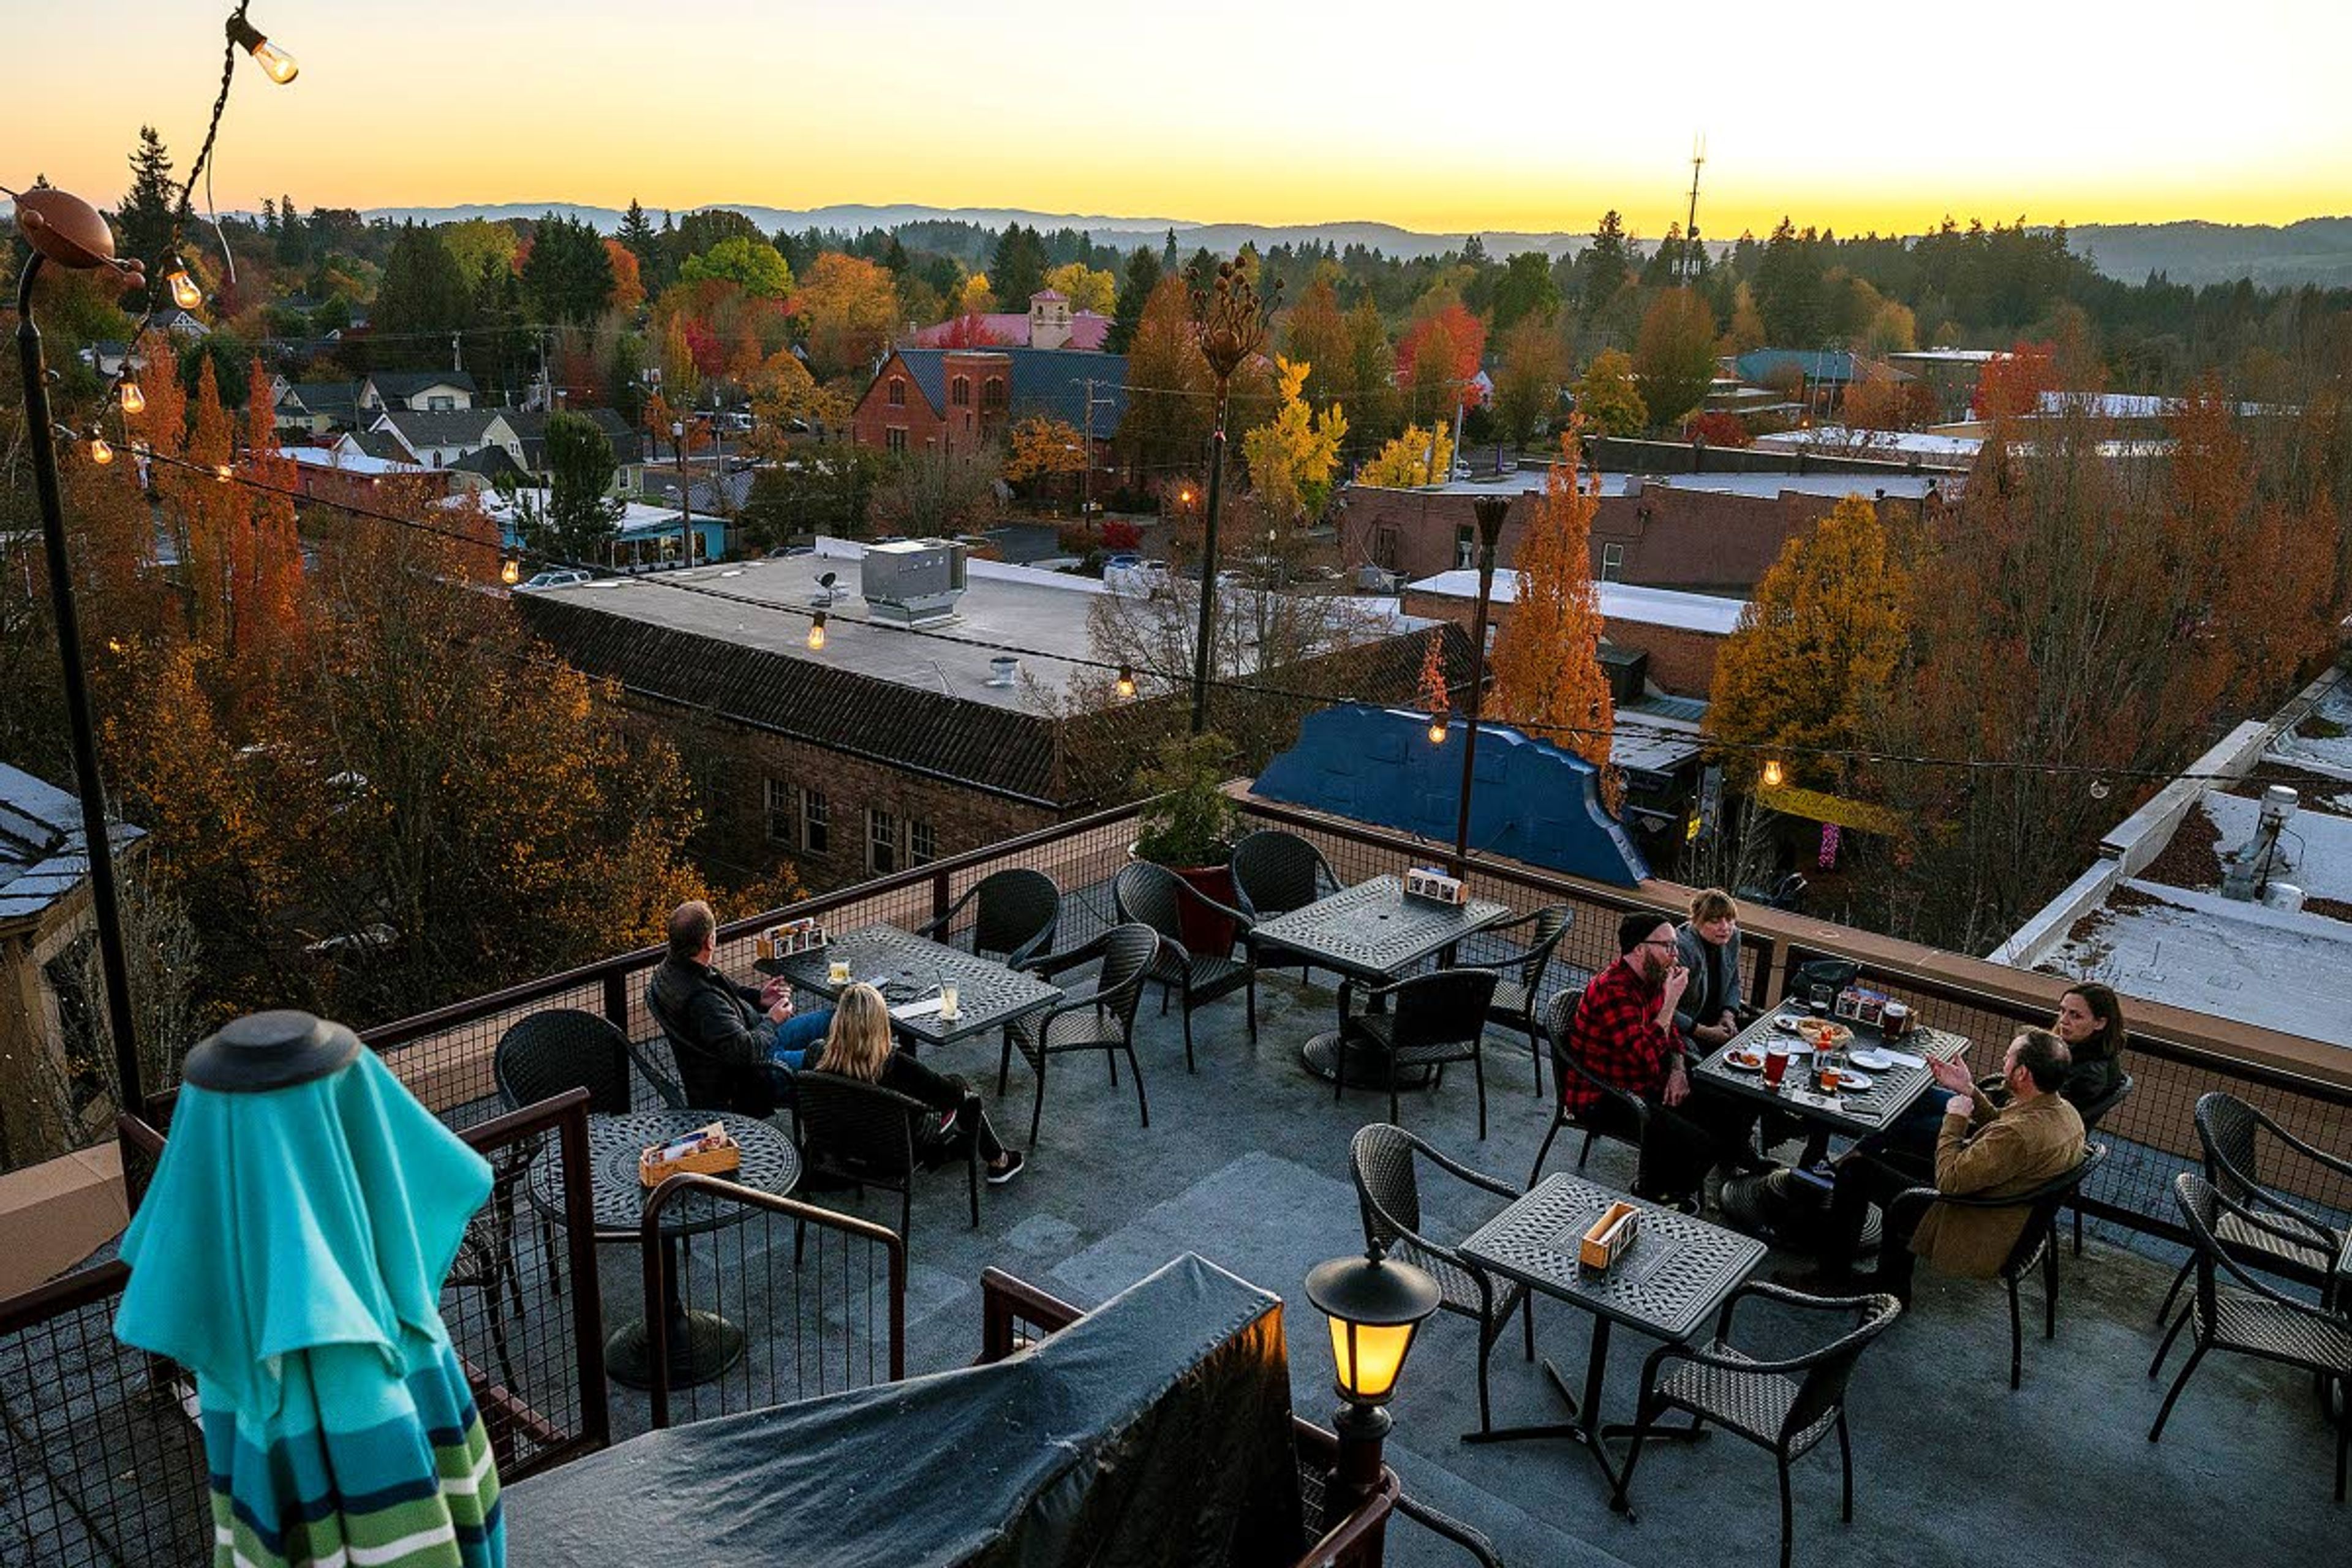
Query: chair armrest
[[1494, 1184], [1241, 917], [1398, 1228], [2313, 1233], [666, 1090], [1028, 949], [2245, 1278], [2340, 1166], [1785, 1296], [1045, 966]]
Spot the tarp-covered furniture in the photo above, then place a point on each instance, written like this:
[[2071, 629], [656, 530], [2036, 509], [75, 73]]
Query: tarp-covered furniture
[[1155, 1430]]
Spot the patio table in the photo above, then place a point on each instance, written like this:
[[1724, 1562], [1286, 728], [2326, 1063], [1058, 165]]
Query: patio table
[[1669, 1284], [907, 968], [1370, 932], [701, 1344], [1893, 1091]]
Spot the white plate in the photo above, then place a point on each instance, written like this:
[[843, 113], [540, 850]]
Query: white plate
[[1850, 1079], [1785, 1023], [1876, 1061], [1731, 1059]]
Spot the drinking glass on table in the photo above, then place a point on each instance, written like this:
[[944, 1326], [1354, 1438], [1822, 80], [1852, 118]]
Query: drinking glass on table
[[948, 1008], [1776, 1064]]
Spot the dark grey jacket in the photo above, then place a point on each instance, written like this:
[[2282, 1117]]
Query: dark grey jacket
[[713, 1024], [1715, 987]]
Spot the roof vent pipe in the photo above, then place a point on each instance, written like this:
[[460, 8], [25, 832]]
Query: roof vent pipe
[[1002, 671]]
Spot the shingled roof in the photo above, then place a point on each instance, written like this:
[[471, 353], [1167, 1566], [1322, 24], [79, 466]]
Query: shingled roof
[[987, 748], [1052, 382]]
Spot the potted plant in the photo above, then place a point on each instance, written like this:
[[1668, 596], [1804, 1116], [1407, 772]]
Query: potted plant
[[1188, 826]]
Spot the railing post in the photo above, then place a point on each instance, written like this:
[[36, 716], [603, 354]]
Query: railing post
[[617, 999], [939, 894], [580, 1246]]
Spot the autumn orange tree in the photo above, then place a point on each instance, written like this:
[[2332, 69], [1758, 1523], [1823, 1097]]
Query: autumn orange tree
[[2011, 387], [1816, 650], [1547, 658], [1039, 447], [846, 309]]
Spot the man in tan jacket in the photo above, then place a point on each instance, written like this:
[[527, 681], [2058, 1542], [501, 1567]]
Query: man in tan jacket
[[1983, 1150]]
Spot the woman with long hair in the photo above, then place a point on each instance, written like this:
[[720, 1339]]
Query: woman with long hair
[[860, 1046], [2091, 1021]]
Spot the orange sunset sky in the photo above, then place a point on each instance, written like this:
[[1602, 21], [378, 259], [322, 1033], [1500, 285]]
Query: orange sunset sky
[[1532, 116]]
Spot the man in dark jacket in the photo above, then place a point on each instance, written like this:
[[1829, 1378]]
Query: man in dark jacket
[[736, 1046]]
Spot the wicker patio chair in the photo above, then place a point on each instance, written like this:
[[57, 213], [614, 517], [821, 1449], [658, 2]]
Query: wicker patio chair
[[1434, 1019], [1101, 1020], [863, 1135], [1519, 999], [1018, 914], [1620, 1115], [2302, 1245], [1785, 1405], [1388, 1192], [1146, 894]]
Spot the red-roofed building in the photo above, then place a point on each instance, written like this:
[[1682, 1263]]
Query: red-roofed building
[[1049, 324]]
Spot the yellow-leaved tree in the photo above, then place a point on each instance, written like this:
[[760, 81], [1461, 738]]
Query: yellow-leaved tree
[[1039, 446], [1419, 457], [1088, 287], [1816, 648], [1546, 658], [1607, 397], [1292, 456]]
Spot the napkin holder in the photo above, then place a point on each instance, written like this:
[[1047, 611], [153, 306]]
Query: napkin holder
[[1605, 1241], [708, 1150], [1435, 887], [789, 940]]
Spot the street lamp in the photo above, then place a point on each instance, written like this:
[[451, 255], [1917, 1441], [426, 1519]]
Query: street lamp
[[66, 231], [1376, 1306], [1490, 512], [1233, 328]]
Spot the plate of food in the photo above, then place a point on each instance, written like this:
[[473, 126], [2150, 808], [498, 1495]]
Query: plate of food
[[1823, 1035], [1876, 1061], [1746, 1059], [1852, 1082]]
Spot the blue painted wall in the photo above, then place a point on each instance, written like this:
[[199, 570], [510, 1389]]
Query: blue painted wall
[[1531, 800]]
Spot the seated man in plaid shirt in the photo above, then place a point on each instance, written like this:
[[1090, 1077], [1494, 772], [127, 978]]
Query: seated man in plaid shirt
[[1624, 1034]]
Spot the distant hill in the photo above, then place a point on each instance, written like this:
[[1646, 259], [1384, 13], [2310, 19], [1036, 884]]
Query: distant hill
[[2314, 250]]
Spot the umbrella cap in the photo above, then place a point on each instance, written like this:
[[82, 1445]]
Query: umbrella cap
[[270, 1050]]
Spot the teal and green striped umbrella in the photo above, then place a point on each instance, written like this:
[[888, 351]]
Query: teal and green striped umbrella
[[290, 1254]]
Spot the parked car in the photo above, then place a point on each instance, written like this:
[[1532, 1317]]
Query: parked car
[[1461, 469], [560, 579], [1131, 575]]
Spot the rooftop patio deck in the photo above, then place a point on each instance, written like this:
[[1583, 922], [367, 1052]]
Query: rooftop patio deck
[[1245, 1163]]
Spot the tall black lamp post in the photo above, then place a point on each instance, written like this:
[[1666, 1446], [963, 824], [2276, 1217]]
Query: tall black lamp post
[[1376, 1306], [1233, 328], [1490, 510], [66, 231]]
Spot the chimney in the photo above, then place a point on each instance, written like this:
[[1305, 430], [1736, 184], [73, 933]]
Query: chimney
[[2251, 867]]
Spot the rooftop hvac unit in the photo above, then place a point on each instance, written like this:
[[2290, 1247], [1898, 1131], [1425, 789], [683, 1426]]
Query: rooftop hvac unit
[[912, 582]]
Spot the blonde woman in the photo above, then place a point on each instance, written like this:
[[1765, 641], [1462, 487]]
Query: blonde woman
[[860, 1046]]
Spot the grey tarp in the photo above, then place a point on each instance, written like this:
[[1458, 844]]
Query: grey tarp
[[1155, 1430]]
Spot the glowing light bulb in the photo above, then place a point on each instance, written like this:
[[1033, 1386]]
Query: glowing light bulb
[[133, 400], [1774, 773], [280, 67], [185, 292], [816, 633], [1437, 728], [511, 572], [99, 452], [1126, 687], [221, 472]]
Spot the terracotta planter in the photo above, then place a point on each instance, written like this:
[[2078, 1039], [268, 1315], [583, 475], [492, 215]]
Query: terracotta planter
[[1205, 932]]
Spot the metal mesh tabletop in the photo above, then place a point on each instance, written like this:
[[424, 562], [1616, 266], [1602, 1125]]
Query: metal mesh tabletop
[[1372, 930], [771, 1165], [1893, 1090], [1669, 1282], [908, 968]]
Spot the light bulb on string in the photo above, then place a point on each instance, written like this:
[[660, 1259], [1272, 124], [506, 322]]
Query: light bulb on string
[[2098, 789], [280, 67], [1437, 726], [133, 400], [511, 572], [99, 452], [1126, 686], [1775, 775], [816, 633], [185, 292], [221, 472]]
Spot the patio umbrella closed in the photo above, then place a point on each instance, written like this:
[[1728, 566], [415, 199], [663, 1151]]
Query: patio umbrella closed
[[291, 1253]]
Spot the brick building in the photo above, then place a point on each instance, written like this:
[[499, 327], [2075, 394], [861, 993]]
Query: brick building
[[1677, 635], [954, 399], [888, 748], [1707, 533]]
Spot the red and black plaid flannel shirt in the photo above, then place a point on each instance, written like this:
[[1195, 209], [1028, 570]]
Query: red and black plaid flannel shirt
[[1615, 1035]]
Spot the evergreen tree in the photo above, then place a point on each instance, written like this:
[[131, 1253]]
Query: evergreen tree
[[293, 240], [423, 298], [1167, 253], [142, 229], [1789, 287], [569, 276], [1017, 269], [582, 512], [1602, 268], [1135, 289], [638, 233]]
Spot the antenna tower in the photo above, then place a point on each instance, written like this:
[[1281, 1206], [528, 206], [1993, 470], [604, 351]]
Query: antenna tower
[[1690, 227]]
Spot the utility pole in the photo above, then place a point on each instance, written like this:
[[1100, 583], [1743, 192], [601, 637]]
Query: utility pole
[[1690, 226], [1087, 468], [456, 354], [685, 498]]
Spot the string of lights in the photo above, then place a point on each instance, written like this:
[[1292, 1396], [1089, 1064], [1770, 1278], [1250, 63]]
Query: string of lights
[[1127, 675]]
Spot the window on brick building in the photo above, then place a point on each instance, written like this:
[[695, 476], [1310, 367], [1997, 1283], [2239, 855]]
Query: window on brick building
[[1384, 547], [780, 812], [922, 842], [895, 437], [991, 392], [897, 393], [960, 392], [1465, 547], [881, 841], [1613, 563], [816, 822]]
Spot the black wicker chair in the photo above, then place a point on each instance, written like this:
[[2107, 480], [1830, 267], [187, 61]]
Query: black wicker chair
[[1388, 1193], [1620, 1114], [1786, 1405], [863, 1135], [1149, 895], [1101, 1020], [1519, 997], [2036, 1243], [1274, 873], [2093, 1114], [1434, 1019], [2254, 1319], [1019, 912], [565, 1049], [1836, 974], [2300, 1245]]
